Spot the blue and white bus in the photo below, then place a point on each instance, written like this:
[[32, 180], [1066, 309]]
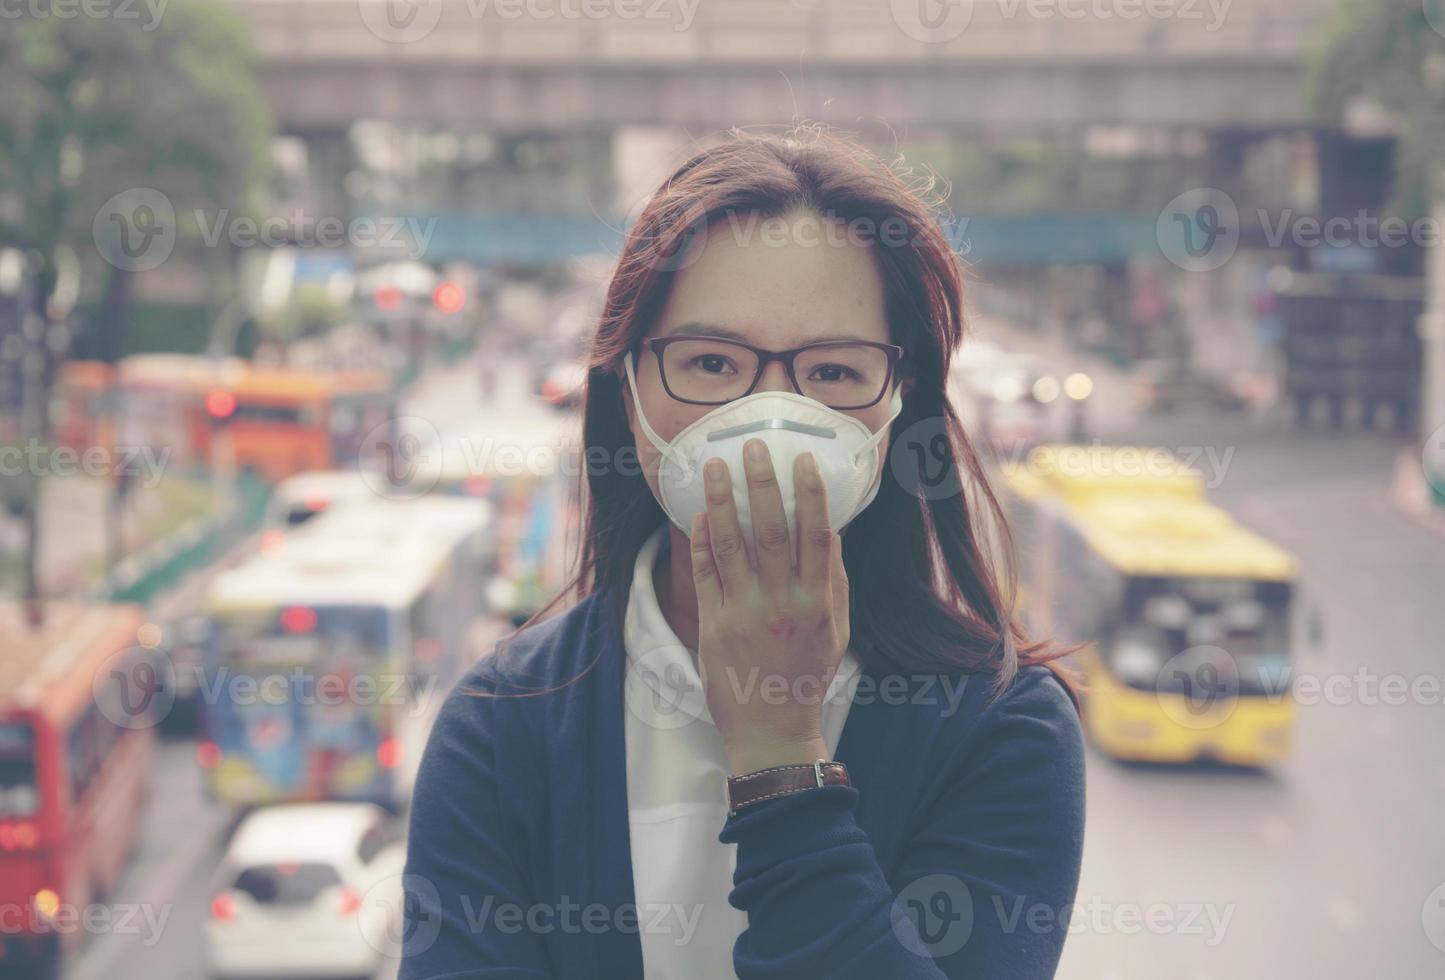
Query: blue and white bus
[[327, 660]]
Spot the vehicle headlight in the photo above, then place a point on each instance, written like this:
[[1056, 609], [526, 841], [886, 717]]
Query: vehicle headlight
[[1138, 662], [1008, 389], [1168, 611]]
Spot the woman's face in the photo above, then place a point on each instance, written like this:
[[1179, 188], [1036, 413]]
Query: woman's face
[[773, 290]]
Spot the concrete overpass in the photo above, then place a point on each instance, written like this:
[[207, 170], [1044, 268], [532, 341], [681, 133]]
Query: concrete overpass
[[911, 65]]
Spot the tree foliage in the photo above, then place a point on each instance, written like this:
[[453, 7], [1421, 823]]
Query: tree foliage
[[1390, 53]]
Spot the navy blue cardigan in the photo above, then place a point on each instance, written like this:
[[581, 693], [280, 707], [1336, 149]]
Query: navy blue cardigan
[[955, 853]]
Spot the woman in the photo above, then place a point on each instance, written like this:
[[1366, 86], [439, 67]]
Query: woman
[[762, 745]]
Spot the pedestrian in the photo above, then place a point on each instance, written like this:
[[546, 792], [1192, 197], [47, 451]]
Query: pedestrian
[[791, 728]]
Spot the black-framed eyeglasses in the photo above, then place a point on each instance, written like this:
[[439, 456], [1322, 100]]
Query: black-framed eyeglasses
[[842, 374]]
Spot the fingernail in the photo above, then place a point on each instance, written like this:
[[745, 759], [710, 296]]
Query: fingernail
[[754, 450], [713, 469], [810, 464]]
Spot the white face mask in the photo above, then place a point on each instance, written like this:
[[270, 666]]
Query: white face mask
[[789, 424]]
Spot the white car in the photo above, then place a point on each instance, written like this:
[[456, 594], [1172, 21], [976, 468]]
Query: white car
[[308, 890]]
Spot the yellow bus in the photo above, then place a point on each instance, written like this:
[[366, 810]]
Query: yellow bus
[[1183, 616]]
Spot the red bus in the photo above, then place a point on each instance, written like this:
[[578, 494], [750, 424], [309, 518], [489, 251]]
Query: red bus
[[75, 757]]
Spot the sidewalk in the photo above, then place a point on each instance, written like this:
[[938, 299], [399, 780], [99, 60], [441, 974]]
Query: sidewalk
[[74, 527]]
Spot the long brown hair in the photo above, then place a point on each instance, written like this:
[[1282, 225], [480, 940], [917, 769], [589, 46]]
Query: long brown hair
[[929, 563]]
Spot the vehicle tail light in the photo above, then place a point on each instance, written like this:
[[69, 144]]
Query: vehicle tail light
[[47, 903], [350, 901], [18, 837], [223, 907], [298, 619], [208, 754], [388, 753]]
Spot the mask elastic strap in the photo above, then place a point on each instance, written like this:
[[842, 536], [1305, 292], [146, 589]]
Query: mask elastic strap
[[647, 430], [874, 439]]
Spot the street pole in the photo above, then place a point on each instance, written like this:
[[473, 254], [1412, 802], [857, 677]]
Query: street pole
[[1432, 382]]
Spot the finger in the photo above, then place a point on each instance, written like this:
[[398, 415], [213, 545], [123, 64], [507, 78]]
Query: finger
[[772, 551], [704, 571], [838, 582], [815, 536], [728, 551]]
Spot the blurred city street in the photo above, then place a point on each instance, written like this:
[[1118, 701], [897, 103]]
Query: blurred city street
[[1209, 866], [299, 308]]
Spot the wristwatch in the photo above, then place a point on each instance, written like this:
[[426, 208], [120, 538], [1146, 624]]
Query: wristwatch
[[769, 784]]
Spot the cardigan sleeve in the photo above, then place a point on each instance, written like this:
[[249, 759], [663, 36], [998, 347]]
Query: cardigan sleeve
[[461, 879], [983, 890]]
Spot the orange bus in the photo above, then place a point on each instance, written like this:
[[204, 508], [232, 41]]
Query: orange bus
[[163, 402], [283, 421], [279, 421], [75, 759]]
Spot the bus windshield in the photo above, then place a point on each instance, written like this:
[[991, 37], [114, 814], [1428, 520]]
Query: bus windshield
[[19, 797], [301, 636], [1238, 626], [304, 695]]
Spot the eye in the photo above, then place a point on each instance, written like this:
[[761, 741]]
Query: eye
[[833, 373], [713, 364]]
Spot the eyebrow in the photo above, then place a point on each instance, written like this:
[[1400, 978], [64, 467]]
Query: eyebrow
[[727, 333]]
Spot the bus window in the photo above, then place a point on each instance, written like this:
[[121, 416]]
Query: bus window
[[19, 797], [1248, 620], [270, 414], [89, 744]]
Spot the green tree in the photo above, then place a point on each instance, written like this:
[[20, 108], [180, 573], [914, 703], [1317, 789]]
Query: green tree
[[113, 128], [1390, 54]]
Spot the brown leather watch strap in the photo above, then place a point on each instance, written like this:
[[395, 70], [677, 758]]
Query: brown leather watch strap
[[768, 784]]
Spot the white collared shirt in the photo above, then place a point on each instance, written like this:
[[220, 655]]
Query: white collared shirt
[[677, 774]]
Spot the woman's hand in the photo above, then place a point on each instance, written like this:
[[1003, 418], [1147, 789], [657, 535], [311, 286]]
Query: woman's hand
[[770, 640]]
